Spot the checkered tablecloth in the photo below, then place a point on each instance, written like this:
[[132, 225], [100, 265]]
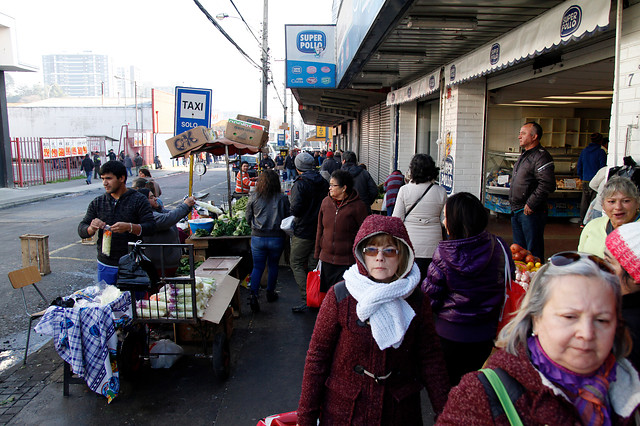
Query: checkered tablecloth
[[85, 337]]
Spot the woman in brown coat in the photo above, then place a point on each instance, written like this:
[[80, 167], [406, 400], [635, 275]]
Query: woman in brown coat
[[374, 345], [341, 214]]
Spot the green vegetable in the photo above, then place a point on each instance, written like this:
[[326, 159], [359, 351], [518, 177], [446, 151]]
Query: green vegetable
[[183, 269], [239, 206], [201, 233]]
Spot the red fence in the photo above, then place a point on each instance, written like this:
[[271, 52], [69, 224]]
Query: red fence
[[32, 163]]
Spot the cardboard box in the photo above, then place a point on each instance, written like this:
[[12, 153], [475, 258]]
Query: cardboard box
[[377, 205], [246, 135], [186, 141], [256, 120]]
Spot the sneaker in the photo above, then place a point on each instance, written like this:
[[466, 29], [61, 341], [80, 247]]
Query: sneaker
[[300, 308], [272, 296], [253, 303]]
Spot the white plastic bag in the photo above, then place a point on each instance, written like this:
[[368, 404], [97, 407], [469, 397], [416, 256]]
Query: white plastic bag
[[167, 347], [287, 225]]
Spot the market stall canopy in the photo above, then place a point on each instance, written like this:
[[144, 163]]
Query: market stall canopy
[[217, 147]]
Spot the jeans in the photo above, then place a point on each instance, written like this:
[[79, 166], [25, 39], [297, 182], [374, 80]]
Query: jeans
[[107, 273], [528, 231], [129, 171], [291, 174], [88, 177], [265, 251], [302, 261]]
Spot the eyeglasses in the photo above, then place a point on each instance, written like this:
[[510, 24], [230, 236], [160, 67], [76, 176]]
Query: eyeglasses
[[332, 186], [568, 257], [386, 252]]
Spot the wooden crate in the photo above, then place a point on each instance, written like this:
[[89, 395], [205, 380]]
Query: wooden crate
[[35, 252]]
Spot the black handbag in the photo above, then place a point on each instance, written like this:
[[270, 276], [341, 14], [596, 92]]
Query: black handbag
[[136, 272]]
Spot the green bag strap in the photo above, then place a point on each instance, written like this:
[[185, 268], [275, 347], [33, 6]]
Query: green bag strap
[[503, 396]]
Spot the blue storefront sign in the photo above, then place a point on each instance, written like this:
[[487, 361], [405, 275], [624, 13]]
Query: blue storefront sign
[[310, 56]]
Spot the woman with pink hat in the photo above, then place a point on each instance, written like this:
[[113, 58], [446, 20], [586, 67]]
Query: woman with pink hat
[[623, 253]]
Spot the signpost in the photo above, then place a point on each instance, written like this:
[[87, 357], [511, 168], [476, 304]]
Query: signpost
[[193, 108], [280, 139]]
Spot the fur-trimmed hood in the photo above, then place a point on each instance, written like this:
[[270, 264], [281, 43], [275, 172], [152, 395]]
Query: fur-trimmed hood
[[377, 224]]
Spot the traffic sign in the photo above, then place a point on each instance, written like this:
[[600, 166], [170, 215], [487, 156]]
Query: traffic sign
[[280, 139], [193, 108]]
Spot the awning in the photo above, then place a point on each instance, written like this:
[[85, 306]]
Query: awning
[[418, 89], [569, 21], [217, 147]]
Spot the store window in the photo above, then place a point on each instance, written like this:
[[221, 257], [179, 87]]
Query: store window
[[427, 128]]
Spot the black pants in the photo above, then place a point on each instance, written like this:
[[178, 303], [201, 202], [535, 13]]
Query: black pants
[[423, 264], [331, 274], [464, 357]]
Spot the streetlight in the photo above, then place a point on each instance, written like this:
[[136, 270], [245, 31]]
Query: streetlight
[[135, 94]]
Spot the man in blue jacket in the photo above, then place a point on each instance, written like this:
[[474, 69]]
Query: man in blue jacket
[[592, 159]]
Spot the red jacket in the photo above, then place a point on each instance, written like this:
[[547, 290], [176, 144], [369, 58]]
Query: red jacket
[[538, 405], [335, 392], [337, 229]]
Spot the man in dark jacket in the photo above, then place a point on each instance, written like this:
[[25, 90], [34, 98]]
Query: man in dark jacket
[[87, 167], [362, 180], [127, 213], [591, 159], [307, 193], [112, 155], [137, 160], [97, 162], [533, 179], [290, 167], [329, 165]]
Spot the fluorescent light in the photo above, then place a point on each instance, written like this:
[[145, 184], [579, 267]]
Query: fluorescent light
[[596, 98], [545, 102], [366, 86], [596, 92], [453, 24], [521, 105]]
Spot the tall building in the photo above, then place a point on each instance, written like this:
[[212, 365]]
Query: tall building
[[81, 74]]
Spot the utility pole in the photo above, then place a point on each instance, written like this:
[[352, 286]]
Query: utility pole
[[291, 132], [265, 59]]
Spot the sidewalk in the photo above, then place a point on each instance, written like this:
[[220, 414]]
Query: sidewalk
[[12, 197]]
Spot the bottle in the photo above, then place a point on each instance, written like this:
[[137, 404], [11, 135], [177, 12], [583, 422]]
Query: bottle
[[106, 241]]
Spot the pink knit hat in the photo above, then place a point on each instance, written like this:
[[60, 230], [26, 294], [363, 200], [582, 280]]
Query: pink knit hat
[[624, 245]]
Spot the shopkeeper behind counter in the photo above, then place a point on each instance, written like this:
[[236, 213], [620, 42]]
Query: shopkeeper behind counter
[[243, 181]]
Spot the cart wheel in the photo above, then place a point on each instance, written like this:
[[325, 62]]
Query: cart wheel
[[132, 351], [221, 356]]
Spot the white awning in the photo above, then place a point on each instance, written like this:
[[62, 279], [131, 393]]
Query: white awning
[[418, 89], [566, 22]]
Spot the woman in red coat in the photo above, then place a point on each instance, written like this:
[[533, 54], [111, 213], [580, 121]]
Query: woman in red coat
[[341, 214], [565, 352], [374, 346]]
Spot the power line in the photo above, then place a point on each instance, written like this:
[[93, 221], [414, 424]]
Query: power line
[[227, 36], [247, 25]]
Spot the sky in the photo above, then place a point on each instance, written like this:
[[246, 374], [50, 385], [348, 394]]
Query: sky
[[171, 42]]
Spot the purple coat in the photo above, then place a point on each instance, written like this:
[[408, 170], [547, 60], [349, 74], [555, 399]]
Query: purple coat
[[465, 282]]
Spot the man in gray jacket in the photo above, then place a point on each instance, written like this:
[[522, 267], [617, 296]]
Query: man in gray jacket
[[533, 179]]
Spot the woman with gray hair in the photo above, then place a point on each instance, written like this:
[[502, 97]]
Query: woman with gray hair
[[563, 354], [620, 205]]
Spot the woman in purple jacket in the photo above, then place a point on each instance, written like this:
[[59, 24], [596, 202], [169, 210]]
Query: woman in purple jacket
[[466, 284]]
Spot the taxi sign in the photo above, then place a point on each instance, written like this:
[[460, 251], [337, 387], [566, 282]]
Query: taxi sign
[[193, 108]]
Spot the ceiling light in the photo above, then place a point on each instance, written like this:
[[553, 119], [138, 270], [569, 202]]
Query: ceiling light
[[545, 102], [381, 73], [400, 55], [595, 98], [369, 86], [596, 92], [452, 24]]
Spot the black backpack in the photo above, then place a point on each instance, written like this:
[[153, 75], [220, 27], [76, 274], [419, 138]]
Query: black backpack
[[630, 170]]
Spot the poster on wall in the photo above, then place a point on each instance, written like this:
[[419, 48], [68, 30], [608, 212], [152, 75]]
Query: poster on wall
[[83, 146], [446, 175], [46, 149], [61, 150], [74, 148], [311, 56]]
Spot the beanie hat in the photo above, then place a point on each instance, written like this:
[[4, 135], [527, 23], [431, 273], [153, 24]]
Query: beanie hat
[[329, 154], [304, 162], [624, 245]]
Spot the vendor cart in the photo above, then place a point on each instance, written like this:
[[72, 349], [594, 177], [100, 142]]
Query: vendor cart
[[177, 301]]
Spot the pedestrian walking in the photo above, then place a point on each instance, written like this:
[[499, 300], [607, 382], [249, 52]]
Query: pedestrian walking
[[138, 161], [97, 162], [266, 209], [128, 164], [87, 167], [362, 180], [391, 187], [290, 166], [341, 214], [533, 179], [419, 204], [112, 155], [466, 285], [374, 346]]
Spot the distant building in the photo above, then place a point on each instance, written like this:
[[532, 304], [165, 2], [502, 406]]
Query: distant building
[[82, 74]]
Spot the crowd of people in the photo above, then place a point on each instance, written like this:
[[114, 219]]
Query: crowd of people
[[414, 297]]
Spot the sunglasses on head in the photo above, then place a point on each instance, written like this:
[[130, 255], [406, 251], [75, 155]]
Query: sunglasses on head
[[567, 257], [386, 252]]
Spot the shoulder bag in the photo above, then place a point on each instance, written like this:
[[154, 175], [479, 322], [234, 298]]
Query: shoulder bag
[[494, 382], [419, 199]]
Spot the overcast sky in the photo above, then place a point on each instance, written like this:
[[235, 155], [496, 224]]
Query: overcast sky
[[170, 41]]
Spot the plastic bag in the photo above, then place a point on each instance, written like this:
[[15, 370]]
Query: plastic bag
[[287, 225], [171, 351]]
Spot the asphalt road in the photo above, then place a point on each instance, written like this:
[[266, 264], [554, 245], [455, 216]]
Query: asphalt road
[[73, 264]]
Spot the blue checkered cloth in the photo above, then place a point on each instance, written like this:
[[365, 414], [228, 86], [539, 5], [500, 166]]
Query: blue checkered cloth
[[86, 339]]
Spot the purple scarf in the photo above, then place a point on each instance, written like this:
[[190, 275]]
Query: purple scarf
[[589, 394]]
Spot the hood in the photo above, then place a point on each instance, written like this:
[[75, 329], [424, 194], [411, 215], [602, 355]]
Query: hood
[[352, 168], [469, 255], [592, 147], [377, 224], [313, 177]]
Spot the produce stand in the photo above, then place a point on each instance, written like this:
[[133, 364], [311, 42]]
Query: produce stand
[[175, 303]]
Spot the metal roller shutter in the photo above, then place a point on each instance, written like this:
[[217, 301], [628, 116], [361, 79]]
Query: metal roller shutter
[[363, 148], [386, 150]]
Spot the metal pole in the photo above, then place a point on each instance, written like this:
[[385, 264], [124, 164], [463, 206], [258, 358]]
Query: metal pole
[[265, 59], [226, 160], [616, 87], [135, 94], [6, 167], [292, 134]]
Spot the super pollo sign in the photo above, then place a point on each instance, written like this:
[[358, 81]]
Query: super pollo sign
[[193, 108]]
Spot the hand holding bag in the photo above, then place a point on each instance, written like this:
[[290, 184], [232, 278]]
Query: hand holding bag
[[314, 295]]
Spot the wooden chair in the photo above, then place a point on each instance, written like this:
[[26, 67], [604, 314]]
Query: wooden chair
[[19, 280]]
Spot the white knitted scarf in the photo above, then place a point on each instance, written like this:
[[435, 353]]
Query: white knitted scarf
[[383, 304]]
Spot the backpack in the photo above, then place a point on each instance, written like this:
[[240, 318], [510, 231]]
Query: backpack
[[629, 170]]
